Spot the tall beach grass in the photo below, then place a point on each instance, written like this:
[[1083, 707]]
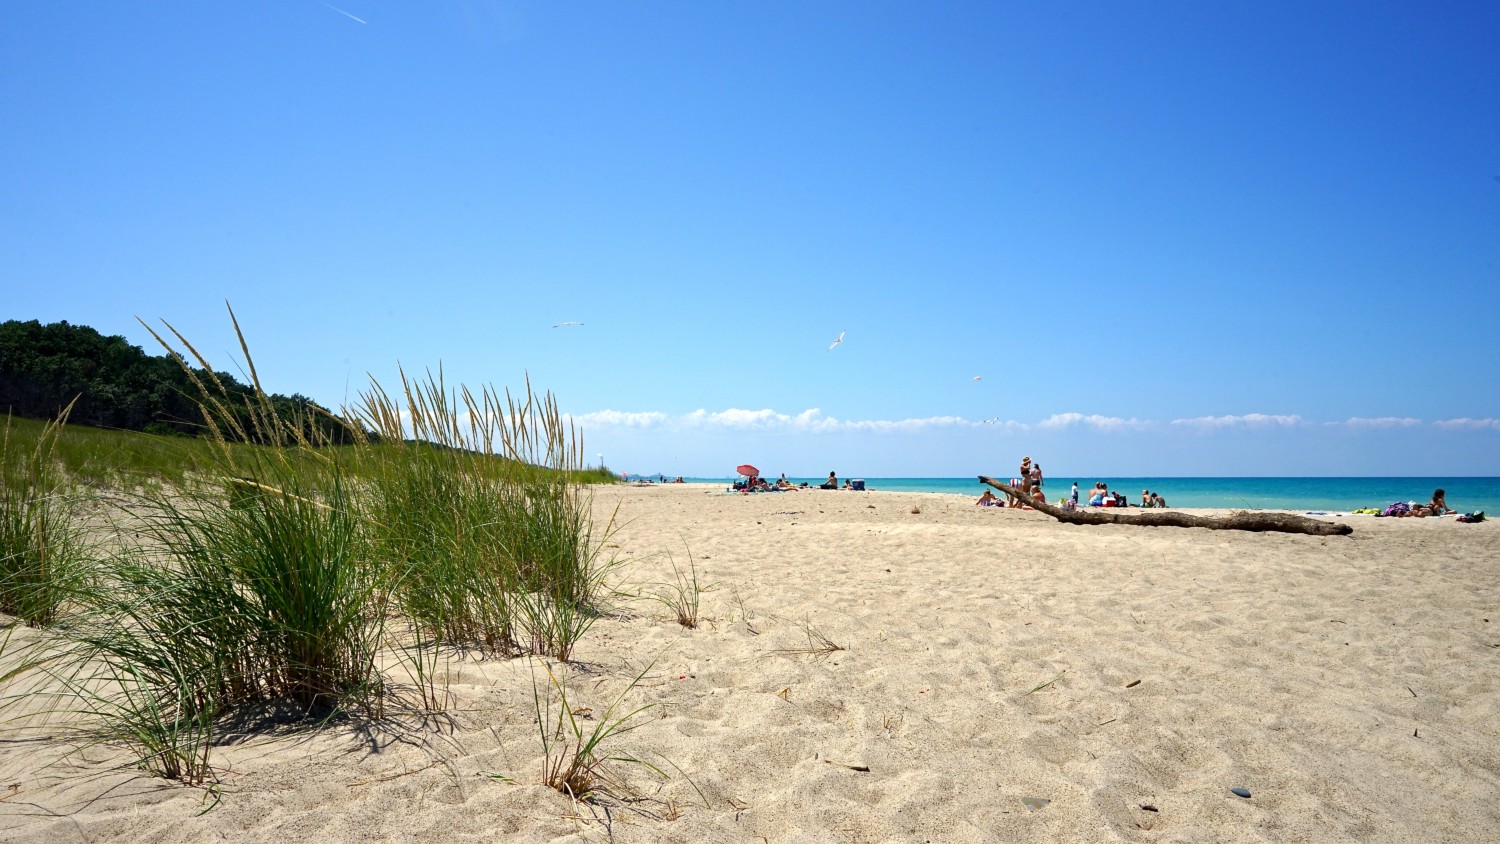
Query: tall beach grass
[[44, 551], [289, 572]]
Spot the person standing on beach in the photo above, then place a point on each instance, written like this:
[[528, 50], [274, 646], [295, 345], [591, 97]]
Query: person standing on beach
[[1025, 478], [1075, 493]]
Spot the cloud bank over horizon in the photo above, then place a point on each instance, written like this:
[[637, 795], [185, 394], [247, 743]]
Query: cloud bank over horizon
[[814, 420], [706, 442]]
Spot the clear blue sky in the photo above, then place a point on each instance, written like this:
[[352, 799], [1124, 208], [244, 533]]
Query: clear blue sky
[[1171, 238]]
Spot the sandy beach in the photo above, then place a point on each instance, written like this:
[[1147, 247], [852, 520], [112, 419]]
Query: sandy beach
[[998, 677]]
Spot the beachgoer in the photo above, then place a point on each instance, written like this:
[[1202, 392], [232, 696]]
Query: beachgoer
[[1025, 478], [1157, 500], [1146, 499], [1439, 504], [1075, 493], [1096, 497], [1436, 507], [1036, 476], [831, 483], [989, 499]]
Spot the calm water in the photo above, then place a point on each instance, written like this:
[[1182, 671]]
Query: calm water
[[1331, 494]]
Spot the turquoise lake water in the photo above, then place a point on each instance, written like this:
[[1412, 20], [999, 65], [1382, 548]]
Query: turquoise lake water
[[1330, 494]]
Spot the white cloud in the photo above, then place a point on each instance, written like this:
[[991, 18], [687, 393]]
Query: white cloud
[[1248, 420], [1467, 424], [1102, 423], [812, 420], [621, 419], [1382, 422]]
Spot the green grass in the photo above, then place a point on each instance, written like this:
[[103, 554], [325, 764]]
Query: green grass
[[683, 596], [278, 573], [45, 554], [579, 763]]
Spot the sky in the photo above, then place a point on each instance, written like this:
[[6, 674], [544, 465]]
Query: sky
[[1124, 238]]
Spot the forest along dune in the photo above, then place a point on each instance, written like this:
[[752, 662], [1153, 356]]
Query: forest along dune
[[909, 667]]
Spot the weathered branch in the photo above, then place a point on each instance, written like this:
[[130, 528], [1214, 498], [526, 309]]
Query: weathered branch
[[1241, 520]]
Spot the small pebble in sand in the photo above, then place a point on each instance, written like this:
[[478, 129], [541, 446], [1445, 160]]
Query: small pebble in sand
[[1240, 792]]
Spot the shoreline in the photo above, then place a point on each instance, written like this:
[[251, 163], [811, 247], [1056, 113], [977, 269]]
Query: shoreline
[[717, 489]]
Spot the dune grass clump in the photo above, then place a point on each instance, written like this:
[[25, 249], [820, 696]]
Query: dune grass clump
[[235, 603], [480, 518], [44, 556], [577, 762], [253, 585], [683, 596], [276, 571]]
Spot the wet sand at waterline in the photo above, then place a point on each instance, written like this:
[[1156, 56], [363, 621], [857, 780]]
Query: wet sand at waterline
[[988, 660]]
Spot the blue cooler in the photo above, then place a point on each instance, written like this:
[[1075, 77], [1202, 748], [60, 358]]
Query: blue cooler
[[857, 483]]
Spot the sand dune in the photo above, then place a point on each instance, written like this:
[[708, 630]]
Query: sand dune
[[1130, 677]]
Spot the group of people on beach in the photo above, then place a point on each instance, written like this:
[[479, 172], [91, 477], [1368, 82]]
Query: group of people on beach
[[1029, 481], [759, 484]]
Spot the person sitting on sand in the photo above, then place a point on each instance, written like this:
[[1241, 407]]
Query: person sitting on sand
[[831, 483], [1146, 499], [1096, 496], [1157, 500], [1439, 504], [1436, 507], [989, 499]]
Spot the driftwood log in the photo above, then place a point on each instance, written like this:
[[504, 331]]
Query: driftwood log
[[1242, 520]]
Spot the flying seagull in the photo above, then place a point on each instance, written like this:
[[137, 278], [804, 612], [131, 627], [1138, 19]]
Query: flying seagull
[[976, 378], [561, 324], [837, 341], [992, 421]]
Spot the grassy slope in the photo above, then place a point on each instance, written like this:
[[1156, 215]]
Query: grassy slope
[[101, 457]]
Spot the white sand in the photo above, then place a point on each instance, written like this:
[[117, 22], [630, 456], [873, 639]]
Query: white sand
[[1352, 684]]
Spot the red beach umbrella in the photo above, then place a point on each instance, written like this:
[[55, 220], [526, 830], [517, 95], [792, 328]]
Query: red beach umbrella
[[747, 470]]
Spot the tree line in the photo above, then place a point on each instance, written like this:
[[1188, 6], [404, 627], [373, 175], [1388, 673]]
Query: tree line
[[117, 385]]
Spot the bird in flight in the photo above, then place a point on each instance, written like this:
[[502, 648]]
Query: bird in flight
[[992, 421], [561, 324], [837, 341], [976, 378]]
